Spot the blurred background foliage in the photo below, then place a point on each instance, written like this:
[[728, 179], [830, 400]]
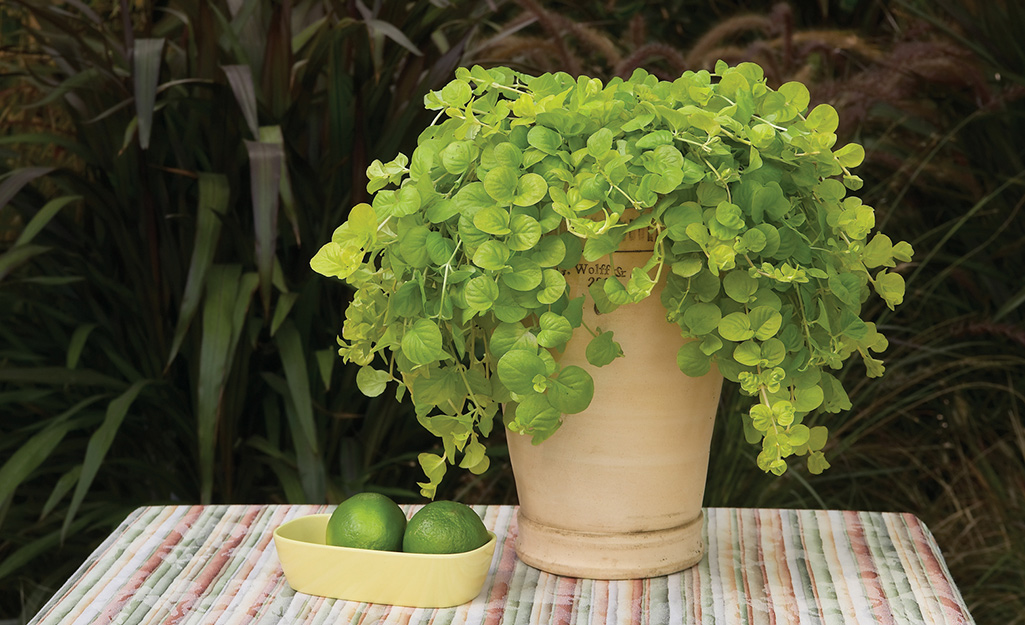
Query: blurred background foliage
[[168, 168]]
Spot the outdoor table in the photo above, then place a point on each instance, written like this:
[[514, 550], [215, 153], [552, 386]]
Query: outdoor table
[[176, 565]]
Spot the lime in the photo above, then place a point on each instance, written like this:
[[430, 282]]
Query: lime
[[444, 527], [367, 521]]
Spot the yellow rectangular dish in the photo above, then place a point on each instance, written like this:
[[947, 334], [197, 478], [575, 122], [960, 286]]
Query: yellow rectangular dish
[[390, 577]]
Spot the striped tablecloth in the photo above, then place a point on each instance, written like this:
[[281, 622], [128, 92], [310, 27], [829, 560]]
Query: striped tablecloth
[[176, 565]]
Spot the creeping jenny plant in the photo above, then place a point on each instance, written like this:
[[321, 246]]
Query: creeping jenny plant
[[458, 262]]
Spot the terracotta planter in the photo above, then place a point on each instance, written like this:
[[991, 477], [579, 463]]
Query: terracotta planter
[[616, 492]]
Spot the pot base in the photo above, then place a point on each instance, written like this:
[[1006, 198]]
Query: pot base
[[613, 555]]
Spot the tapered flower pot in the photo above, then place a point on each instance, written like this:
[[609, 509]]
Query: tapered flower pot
[[616, 492]]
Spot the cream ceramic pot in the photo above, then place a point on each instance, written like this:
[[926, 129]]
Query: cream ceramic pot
[[616, 492]]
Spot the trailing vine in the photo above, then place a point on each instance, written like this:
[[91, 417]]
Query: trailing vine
[[458, 261]]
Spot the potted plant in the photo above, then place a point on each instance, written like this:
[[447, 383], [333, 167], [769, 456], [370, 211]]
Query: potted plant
[[542, 221]]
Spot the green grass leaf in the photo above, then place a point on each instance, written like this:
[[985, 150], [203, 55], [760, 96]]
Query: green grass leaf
[[19, 255], [240, 79], [293, 360], [300, 412], [59, 376], [99, 444], [265, 166], [77, 344], [147, 57], [42, 218], [26, 459], [35, 549], [16, 180], [393, 33], [216, 352], [211, 208]]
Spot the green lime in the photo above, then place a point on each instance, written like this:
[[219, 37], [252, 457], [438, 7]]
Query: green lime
[[367, 521], [444, 527]]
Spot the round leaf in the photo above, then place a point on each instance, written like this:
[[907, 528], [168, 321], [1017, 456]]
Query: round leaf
[[571, 392], [544, 139], [407, 301], [530, 189], [507, 154], [736, 327], [439, 248], [524, 274], [796, 94], [422, 342], [765, 322], [808, 398], [602, 349], [407, 201], [525, 233], [692, 361], [549, 251], [507, 308], [740, 286], [421, 162], [493, 220], [336, 261], [508, 336], [773, 353], [823, 118], [850, 155], [491, 255], [702, 318], [500, 183], [413, 246], [748, 353], [372, 382], [518, 368], [456, 157], [553, 285], [456, 93], [599, 143], [729, 215], [481, 292], [535, 415], [555, 330], [442, 385], [799, 435]]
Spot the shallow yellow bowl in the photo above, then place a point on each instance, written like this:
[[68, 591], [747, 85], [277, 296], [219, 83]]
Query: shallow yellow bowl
[[406, 579]]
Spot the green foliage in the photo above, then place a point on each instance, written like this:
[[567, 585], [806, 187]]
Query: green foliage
[[767, 261], [163, 335], [940, 434]]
